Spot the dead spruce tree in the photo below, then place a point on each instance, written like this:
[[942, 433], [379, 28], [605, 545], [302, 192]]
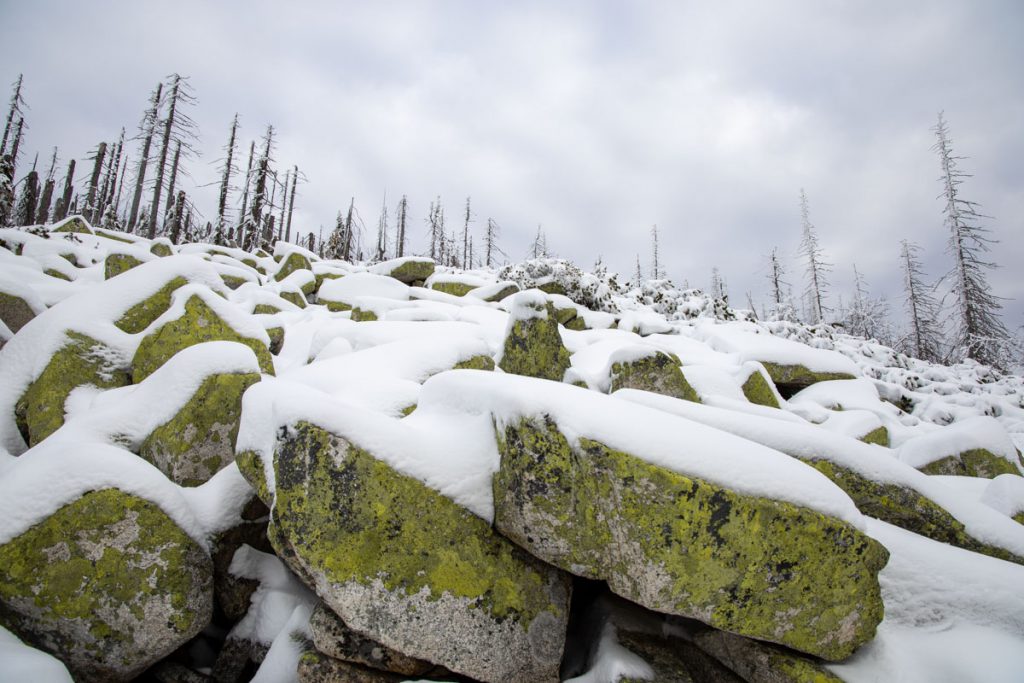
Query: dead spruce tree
[[817, 266], [147, 129], [225, 182], [15, 109], [924, 339], [177, 127], [979, 332], [46, 197], [401, 212]]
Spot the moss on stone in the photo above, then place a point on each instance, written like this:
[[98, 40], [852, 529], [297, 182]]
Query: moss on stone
[[74, 224], [878, 436], [506, 291], [906, 508], [160, 249], [276, 335], [53, 272], [758, 390], [658, 373], [764, 568], [198, 324], [453, 288], [108, 583], [294, 262], [479, 362], [294, 297], [411, 271], [200, 439], [232, 281], [265, 309], [142, 314], [111, 236], [977, 462], [533, 347], [318, 279], [337, 306], [251, 467], [80, 361], [115, 264], [352, 518], [359, 315], [14, 311], [790, 379], [408, 410], [577, 323]]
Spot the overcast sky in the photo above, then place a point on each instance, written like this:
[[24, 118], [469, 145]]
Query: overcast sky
[[595, 120]]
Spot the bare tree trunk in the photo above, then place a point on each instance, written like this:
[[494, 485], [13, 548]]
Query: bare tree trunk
[[149, 122], [43, 210], [174, 174], [26, 210], [175, 216], [16, 146], [291, 206], [15, 101], [225, 182], [347, 248], [90, 199], [284, 204], [60, 212], [158, 187], [259, 192], [465, 236], [243, 215], [402, 208]]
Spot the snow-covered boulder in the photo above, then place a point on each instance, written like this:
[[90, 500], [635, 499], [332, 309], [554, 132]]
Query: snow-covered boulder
[[408, 567], [646, 368], [108, 583], [344, 293], [290, 263], [407, 269], [197, 315], [976, 447], [533, 347]]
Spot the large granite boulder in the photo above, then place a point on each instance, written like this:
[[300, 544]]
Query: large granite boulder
[[533, 347]]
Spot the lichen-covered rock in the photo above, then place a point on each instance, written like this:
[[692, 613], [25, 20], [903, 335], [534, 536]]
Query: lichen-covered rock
[[276, 335], [533, 347], [232, 281], [115, 264], [878, 436], [680, 545], [295, 297], [657, 372], [73, 224], [315, 667], [161, 248], [199, 440], [453, 287], [757, 388], [674, 660], [142, 314], [361, 315], [407, 270], [976, 462], [506, 290], [758, 662], [233, 593], [111, 235], [790, 379], [906, 508], [108, 583], [294, 262], [480, 362], [14, 311], [198, 324], [334, 638], [80, 361], [406, 566]]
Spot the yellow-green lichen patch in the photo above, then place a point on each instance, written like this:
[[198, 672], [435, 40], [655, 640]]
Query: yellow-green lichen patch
[[53, 272], [658, 373], [878, 436], [199, 323], [411, 271], [533, 347], [200, 439], [352, 518], [977, 462], [360, 315], [479, 362], [318, 279], [14, 311], [81, 361], [265, 309], [294, 262], [111, 236], [577, 323], [160, 249], [74, 224], [251, 466], [790, 379], [336, 306], [453, 288], [296, 298], [506, 291], [115, 264], [906, 508], [232, 281], [276, 335], [757, 390], [142, 314], [564, 315], [760, 567], [551, 287], [108, 583]]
